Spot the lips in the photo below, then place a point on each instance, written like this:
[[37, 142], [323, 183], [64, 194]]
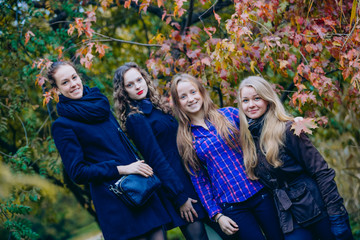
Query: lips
[[140, 92]]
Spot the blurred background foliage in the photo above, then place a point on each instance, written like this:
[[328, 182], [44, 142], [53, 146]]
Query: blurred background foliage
[[37, 199]]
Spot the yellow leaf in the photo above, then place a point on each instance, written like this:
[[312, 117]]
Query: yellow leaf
[[252, 66], [353, 11]]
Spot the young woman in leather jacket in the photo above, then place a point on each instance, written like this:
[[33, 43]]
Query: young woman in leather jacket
[[303, 187]]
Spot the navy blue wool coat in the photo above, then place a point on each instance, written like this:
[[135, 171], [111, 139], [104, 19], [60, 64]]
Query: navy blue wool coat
[[88, 139], [154, 134]]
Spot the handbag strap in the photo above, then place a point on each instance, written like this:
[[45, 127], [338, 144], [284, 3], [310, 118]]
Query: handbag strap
[[125, 138]]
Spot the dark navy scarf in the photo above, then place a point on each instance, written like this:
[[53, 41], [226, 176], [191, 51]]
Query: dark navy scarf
[[93, 107], [256, 125]]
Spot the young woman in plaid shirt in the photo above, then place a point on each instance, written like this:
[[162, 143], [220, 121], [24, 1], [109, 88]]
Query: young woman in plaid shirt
[[206, 141]]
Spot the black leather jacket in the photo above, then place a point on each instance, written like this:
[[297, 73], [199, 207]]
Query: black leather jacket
[[303, 188]]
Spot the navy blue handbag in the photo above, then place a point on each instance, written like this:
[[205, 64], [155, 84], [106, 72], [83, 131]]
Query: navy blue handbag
[[134, 189]]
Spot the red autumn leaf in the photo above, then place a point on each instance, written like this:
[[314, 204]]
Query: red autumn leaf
[[176, 25], [47, 97], [283, 63], [217, 17], [127, 4], [91, 15], [70, 30], [223, 74], [28, 35], [79, 26], [193, 54], [206, 61], [100, 48], [320, 30], [160, 3], [163, 15], [304, 126], [59, 50], [181, 62], [40, 80]]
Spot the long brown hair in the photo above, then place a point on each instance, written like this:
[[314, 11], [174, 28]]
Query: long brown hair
[[184, 136], [122, 101], [273, 132]]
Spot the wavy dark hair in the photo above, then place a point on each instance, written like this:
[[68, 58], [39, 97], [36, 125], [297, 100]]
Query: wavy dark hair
[[122, 102]]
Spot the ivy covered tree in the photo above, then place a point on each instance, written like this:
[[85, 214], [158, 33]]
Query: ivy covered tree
[[309, 50]]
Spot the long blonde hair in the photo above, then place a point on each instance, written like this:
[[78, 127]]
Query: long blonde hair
[[184, 136], [273, 132], [122, 101]]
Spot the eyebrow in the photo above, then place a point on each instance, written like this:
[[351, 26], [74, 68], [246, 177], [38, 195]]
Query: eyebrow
[[70, 77]]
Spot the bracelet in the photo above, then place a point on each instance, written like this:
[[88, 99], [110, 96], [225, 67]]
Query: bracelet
[[217, 219]]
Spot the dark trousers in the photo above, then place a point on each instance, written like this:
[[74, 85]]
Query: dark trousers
[[318, 230], [255, 217]]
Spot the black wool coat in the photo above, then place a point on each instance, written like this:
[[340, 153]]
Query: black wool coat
[[304, 188]]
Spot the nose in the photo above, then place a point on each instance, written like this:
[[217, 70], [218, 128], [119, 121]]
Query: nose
[[137, 85], [190, 98], [251, 104], [72, 83]]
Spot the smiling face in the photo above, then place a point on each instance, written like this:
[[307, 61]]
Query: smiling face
[[68, 82], [252, 104], [190, 98], [135, 84]]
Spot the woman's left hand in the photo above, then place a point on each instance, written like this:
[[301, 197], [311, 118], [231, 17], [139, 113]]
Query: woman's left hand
[[187, 210]]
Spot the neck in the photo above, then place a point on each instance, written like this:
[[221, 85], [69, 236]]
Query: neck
[[198, 119]]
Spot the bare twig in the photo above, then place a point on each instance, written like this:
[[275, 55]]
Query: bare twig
[[5, 154], [352, 30], [261, 25], [129, 42], [209, 9]]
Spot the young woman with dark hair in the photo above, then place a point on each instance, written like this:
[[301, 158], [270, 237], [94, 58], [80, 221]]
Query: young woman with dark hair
[[94, 150]]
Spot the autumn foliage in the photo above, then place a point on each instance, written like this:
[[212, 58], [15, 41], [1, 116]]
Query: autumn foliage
[[309, 50]]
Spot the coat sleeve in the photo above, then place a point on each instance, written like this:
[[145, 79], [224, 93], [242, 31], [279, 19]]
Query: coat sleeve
[[315, 165], [203, 186], [140, 131], [79, 170]]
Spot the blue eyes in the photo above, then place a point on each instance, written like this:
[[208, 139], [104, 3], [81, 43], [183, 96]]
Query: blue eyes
[[256, 99]]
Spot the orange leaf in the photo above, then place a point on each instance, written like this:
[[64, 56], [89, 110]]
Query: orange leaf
[[303, 126], [70, 30], [160, 3], [100, 48], [127, 4], [28, 35], [217, 17]]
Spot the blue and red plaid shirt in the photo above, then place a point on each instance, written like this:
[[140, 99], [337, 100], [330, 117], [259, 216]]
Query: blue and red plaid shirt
[[222, 177]]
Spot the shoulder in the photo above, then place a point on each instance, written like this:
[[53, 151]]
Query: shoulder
[[229, 111]]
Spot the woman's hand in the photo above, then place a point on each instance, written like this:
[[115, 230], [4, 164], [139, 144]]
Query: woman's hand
[[187, 210], [227, 225], [138, 167]]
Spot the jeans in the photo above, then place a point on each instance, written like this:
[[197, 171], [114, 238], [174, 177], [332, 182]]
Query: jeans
[[317, 231], [255, 216], [340, 227]]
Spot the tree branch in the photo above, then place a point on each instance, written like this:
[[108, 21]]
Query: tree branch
[[188, 19]]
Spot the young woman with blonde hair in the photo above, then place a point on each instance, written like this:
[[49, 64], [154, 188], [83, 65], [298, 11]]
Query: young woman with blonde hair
[[206, 141], [302, 184]]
